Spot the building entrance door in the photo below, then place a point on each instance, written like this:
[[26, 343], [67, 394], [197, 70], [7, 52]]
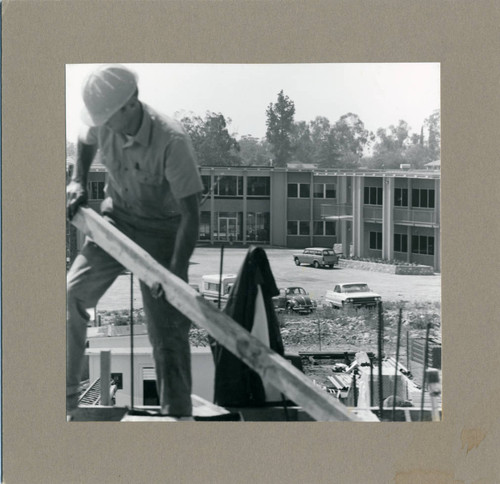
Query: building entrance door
[[228, 228]]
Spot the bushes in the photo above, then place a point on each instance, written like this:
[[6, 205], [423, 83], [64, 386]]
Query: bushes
[[335, 329], [328, 328], [392, 262], [121, 317]]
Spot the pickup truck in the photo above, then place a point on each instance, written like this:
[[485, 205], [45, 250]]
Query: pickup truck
[[317, 257], [210, 287], [351, 295]]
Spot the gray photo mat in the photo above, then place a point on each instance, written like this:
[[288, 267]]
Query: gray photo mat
[[40, 38]]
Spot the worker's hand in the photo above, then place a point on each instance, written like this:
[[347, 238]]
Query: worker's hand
[[76, 195], [157, 291]]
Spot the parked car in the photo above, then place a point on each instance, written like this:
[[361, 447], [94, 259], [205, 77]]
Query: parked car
[[294, 299], [352, 294], [210, 287], [317, 257]]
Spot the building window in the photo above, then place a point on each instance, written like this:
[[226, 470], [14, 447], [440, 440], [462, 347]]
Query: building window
[[258, 186], [298, 227], [96, 190], [229, 186], [329, 228], [376, 240], [292, 227], [401, 197], [323, 227], [207, 184], [422, 244], [299, 190], [304, 227], [228, 226], [373, 196], [324, 190], [400, 243], [118, 379], [205, 226], [422, 198], [330, 191], [319, 190], [304, 190], [258, 226]]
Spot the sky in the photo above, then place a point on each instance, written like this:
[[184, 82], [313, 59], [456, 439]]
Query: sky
[[381, 94]]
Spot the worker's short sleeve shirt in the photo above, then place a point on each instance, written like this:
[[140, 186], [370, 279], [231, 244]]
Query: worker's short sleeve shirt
[[147, 173]]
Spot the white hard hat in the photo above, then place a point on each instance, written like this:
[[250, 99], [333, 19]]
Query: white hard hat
[[105, 91]]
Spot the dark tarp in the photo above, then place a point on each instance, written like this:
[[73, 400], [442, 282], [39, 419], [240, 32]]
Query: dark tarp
[[236, 385]]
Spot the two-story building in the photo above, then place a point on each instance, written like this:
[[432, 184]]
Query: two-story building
[[392, 215], [380, 214]]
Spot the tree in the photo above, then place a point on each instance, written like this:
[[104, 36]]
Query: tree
[[302, 144], [280, 122], [351, 138], [397, 145], [212, 142], [417, 156], [433, 126], [325, 151], [254, 151]]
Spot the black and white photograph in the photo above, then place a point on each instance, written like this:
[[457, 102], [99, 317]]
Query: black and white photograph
[[226, 224], [253, 242]]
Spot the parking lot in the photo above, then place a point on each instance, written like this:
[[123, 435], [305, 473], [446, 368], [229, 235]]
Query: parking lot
[[206, 260]]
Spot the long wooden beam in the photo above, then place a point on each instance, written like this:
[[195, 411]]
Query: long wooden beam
[[268, 364]]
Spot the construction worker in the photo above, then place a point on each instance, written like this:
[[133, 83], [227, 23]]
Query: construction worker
[[152, 196]]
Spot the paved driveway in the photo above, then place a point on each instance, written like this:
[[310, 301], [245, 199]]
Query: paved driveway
[[207, 261]]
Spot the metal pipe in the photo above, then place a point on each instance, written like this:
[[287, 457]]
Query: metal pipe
[[380, 352], [397, 363], [425, 369], [220, 274], [131, 341], [408, 359], [371, 381], [354, 387]]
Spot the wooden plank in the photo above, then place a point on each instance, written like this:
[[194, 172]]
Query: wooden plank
[[269, 365], [362, 358]]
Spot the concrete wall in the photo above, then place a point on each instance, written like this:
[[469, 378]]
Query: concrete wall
[[202, 369]]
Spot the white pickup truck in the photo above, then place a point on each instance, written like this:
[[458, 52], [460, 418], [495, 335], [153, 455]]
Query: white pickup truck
[[351, 295], [210, 287]]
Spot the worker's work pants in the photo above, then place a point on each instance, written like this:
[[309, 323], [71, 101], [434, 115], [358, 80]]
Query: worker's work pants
[[91, 274]]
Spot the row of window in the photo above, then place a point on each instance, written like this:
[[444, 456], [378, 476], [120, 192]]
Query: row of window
[[232, 186], [420, 197], [303, 190], [303, 227], [420, 244], [258, 186]]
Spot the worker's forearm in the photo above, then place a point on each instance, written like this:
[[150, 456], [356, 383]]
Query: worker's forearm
[[185, 242], [84, 157]]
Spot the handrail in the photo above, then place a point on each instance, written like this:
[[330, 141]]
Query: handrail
[[271, 367], [89, 389]]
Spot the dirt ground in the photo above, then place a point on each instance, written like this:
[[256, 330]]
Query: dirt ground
[[205, 260]]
